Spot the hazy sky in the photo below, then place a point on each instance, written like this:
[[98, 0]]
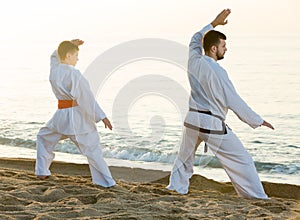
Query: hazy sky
[[35, 20]]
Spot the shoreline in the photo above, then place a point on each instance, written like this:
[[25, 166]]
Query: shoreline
[[139, 194], [218, 174]]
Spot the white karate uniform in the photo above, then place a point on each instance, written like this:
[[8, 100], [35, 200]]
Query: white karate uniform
[[212, 91], [77, 123]]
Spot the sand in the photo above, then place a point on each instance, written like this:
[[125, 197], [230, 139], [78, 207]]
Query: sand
[[139, 194]]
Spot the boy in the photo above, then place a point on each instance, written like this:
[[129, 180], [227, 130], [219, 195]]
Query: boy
[[76, 117]]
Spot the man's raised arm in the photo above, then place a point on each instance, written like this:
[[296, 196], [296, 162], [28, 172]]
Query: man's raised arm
[[196, 42]]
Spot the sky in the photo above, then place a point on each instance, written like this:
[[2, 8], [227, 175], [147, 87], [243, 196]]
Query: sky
[[107, 20]]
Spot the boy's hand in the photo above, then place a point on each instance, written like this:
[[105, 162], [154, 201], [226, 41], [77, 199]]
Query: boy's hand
[[221, 18], [77, 42], [107, 123]]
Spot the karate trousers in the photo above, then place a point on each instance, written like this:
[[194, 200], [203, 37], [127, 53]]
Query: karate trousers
[[231, 153], [89, 146]]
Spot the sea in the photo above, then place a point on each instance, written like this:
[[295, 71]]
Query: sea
[[142, 86]]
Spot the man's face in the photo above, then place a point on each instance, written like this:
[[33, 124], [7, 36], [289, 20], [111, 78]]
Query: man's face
[[221, 49], [73, 58]]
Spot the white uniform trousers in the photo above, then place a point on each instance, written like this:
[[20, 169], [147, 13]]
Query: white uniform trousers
[[229, 150], [89, 146]]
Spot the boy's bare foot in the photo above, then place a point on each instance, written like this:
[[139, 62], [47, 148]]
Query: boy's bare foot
[[42, 177]]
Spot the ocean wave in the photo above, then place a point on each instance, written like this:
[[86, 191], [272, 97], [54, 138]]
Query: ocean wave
[[155, 155], [64, 146], [263, 167], [17, 142], [277, 168], [202, 160], [293, 146], [139, 154]]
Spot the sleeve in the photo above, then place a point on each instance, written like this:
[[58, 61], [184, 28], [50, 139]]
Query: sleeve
[[196, 47], [54, 60], [239, 106], [86, 100]]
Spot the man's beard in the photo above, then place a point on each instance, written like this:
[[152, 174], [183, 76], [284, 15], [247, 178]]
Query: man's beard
[[219, 55]]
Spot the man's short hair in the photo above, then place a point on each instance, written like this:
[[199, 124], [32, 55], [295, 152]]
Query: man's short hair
[[66, 47], [212, 38]]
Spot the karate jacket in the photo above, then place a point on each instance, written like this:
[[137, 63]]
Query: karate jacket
[[69, 84], [212, 90]]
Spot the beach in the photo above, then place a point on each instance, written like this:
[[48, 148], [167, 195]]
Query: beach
[[135, 58], [139, 194]]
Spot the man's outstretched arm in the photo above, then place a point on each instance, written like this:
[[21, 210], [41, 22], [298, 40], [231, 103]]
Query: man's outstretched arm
[[221, 20]]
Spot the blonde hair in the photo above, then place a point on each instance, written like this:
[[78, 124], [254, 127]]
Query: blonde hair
[[66, 47]]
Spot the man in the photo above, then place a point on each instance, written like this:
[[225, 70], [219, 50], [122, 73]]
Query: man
[[212, 94], [76, 116]]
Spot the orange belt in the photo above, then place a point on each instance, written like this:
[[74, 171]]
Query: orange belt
[[66, 104]]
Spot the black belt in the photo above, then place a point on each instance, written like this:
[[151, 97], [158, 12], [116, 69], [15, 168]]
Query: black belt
[[207, 131]]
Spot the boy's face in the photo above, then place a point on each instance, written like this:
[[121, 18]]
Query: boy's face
[[72, 58]]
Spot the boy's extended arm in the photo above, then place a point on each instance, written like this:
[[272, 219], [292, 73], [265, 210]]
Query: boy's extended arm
[[86, 100], [82, 93]]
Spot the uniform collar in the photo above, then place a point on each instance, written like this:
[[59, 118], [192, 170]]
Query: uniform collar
[[208, 58]]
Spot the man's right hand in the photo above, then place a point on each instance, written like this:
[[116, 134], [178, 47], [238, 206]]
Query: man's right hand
[[267, 124], [221, 18]]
